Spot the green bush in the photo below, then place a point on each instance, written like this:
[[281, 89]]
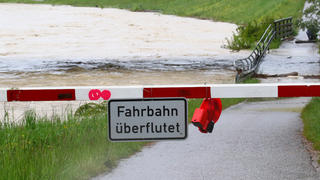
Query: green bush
[[248, 35]]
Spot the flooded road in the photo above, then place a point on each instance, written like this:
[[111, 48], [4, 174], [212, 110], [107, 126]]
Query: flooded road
[[292, 57], [300, 60]]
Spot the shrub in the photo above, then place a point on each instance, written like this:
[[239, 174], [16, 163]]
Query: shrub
[[248, 35], [311, 20]]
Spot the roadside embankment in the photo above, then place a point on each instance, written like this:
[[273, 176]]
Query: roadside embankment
[[311, 130]]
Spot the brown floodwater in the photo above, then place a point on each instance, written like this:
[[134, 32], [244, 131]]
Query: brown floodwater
[[17, 73], [121, 78]]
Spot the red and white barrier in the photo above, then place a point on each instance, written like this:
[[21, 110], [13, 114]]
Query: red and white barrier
[[187, 91]]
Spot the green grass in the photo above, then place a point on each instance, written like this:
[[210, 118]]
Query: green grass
[[251, 81], [311, 120], [236, 11], [53, 149]]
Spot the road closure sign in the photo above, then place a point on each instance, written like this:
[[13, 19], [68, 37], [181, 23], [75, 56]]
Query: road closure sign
[[147, 119]]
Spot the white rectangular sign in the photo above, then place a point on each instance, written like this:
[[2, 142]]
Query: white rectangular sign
[[147, 119]]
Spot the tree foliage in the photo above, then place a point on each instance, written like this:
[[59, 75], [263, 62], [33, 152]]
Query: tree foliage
[[311, 19]]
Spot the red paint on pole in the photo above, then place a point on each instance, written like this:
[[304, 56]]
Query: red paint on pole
[[299, 91], [187, 92], [41, 95]]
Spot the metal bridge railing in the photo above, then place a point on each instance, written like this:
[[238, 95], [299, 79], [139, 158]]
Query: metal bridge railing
[[283, 28], [280, 29]]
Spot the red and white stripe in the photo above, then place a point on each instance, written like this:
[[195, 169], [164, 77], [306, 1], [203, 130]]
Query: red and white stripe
[[187, 91]]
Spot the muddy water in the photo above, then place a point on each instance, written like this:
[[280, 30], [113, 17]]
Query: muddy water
[[44, 45], [114, 72], [99, 78]]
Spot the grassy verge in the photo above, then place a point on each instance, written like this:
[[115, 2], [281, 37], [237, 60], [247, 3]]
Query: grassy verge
[[76, 148], [53, 149], [311, 120], [251, 81], [235, 11]]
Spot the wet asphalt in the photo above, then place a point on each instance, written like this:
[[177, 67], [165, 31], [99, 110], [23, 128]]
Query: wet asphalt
[[252, 140], [302, 59], [290, 57]]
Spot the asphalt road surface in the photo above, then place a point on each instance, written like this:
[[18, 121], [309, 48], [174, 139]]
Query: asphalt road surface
[[260, 140]]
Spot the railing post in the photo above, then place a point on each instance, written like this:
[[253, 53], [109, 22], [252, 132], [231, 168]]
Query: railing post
[[275, 29], [291, 28]]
